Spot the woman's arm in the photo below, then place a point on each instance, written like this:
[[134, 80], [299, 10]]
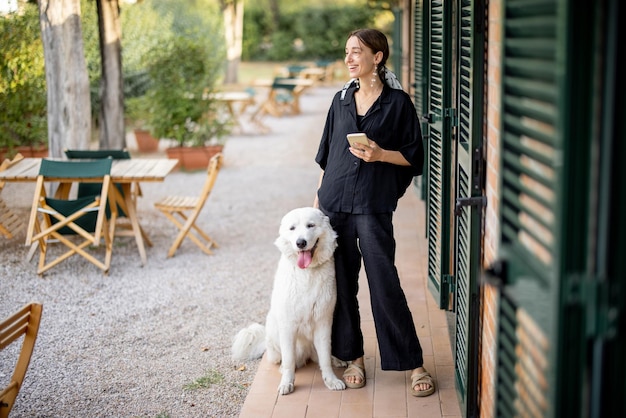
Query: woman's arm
[[373, 153], [316, 203]]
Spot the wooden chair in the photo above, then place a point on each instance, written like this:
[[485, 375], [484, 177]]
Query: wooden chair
[[183, 211], [123, 227], [24, 322], [9, 220], [58, 219]]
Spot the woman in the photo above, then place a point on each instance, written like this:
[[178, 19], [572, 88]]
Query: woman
[[359, 190]]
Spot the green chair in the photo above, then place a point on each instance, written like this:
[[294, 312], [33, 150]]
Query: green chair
[[116, 154], [124, 228], [64, 220], [88, 189]]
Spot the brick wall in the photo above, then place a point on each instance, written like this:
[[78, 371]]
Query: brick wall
[[489, 308]]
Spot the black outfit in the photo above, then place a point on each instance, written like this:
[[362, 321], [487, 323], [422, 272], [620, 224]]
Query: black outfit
[[360, 198]]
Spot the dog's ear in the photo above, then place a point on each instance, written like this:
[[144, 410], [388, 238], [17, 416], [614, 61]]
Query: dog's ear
[[328, 241], [328, 227], [282, 243]]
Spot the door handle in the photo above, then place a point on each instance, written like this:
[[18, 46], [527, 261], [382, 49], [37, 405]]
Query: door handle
[[429, 117], [462, 202]]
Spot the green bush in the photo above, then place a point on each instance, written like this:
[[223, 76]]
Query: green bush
[[173, 53], [320, 30], [183, 75], [23, 97]]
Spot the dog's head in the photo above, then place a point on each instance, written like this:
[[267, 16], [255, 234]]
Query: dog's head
[[306, 238]]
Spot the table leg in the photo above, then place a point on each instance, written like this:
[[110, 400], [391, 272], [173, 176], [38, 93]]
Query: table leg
[[131, 211]]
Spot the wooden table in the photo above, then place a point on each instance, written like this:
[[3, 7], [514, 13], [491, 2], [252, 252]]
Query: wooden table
[[295, 86], [236, 103], [124, 172]]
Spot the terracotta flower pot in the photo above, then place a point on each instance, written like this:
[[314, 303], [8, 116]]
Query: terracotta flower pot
[[37, 151], [193, 158], [145, 141]]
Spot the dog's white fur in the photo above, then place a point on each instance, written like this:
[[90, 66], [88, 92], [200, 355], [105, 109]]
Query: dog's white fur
[[298, 324]]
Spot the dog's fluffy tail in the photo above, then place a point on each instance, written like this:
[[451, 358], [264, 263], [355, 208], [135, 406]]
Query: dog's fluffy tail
[[249, 343]]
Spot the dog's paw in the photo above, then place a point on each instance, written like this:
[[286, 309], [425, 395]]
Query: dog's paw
[[334, 383], [285, 389]]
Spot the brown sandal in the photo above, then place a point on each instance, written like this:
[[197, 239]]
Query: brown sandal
[[354, 370], [422, 378]]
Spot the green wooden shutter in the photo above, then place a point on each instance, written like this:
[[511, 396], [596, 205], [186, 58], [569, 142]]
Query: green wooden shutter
[[440, 119], [420, 69], [420, 63], [545, 150], [469, 199], [530, 149]]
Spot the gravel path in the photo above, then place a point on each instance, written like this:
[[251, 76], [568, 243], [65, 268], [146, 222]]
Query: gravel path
[[154, 341]]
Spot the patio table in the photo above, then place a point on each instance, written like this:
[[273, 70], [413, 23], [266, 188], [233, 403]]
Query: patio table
[[124, 172]]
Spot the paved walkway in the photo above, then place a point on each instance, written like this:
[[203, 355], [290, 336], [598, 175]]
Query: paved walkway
[[386, 393], [149, 364]]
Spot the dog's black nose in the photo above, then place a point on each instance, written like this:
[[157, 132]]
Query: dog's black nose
[[301, 243]]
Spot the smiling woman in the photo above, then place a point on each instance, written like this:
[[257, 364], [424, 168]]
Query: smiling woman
[[359, 190]]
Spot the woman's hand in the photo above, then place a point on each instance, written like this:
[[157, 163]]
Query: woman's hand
[[372, 153], [368, 153]]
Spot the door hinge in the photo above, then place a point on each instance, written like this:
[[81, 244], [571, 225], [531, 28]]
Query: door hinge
[[450, 112], [594, 295], [462, 202]]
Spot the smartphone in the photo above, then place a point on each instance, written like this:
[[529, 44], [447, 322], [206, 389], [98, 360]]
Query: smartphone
[[357, 138]]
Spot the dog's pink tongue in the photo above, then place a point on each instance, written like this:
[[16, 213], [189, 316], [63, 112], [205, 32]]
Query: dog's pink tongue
[[304, 259]]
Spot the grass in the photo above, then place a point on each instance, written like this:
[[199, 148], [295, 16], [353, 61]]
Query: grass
[[211, 378], [250, 71]]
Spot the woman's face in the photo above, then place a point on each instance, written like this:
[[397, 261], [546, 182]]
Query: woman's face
[[360, 59]]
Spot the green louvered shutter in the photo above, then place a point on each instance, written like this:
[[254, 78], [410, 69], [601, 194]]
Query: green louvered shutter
[[420, 68], [531, 146], [469, 199], [545, 160], [440, 119]]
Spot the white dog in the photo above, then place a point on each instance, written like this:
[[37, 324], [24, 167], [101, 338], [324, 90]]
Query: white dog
[[298, 324]]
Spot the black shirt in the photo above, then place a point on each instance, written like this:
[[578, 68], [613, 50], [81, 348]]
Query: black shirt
[[351, 185]]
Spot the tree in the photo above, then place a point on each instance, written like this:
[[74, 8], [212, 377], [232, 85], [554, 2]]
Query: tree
[[233, 28], [69, 106], [111, 91], [23, 119]]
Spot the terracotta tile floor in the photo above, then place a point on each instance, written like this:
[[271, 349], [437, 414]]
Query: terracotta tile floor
[[386, 393]]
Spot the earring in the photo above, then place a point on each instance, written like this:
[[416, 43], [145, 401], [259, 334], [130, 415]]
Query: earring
[[374, 76]]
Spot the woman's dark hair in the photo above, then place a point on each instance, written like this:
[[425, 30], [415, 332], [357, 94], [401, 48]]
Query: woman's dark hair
[[376, 41]]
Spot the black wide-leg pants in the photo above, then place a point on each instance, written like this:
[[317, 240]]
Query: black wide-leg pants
[[371, 237]]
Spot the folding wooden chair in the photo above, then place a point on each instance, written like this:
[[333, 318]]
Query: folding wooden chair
[[9, 220], [24, 322], [187, 208], [124, 227], [55, 219]]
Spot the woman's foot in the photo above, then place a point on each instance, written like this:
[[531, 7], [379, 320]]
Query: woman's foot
[[422, 383], [354, 376]]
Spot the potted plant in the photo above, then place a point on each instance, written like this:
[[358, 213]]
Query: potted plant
[[183, 74], [137, 116], [23, 100]]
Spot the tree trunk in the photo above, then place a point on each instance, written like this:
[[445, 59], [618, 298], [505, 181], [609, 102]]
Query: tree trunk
[[69, 106], [233, 27], [112, 132], [275, 11]]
